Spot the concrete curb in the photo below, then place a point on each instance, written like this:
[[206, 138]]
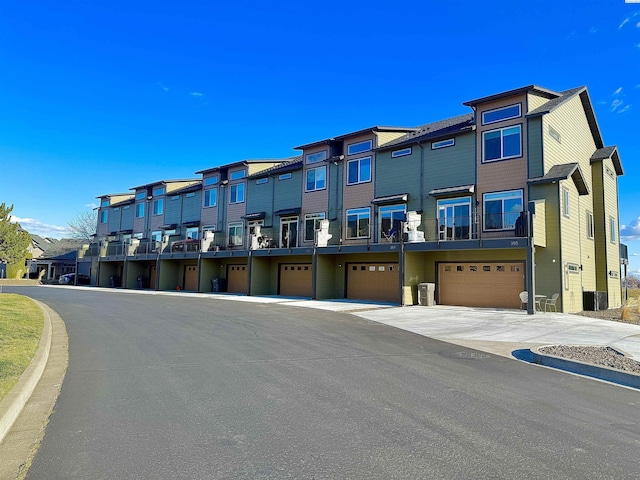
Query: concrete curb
[[16, 399], [595, 371]]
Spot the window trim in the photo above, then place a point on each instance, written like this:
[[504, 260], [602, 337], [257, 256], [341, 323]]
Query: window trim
[[237, 175], [590, 226], [310, 158], [236, 187], [566, 202], [141, 195], [485, 214], [402, 152], [494, 110], [314, 217], [449, 142], [369, 158], [357, 144], [262, 181], [158, 206], [140, 210], [501, 130], [613, 230], [211, 180], [215, 199], [104, 216], [158, 191], [284, 176], [358, 212], [235, 225], [306, 178]]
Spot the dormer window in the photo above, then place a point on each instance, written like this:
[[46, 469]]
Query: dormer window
[[359, 147], [237, 175], [158, 191], [316, 157]]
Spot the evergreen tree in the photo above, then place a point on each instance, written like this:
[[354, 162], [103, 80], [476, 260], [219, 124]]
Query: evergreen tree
[[14, 242]]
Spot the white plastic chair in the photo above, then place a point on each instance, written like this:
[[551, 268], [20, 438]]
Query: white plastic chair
[[524, 300], [551, 302]]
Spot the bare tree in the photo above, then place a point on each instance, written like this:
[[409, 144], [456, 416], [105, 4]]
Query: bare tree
[[83, 227]]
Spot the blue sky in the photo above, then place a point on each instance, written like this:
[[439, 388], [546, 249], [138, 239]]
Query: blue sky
[[97, 97]]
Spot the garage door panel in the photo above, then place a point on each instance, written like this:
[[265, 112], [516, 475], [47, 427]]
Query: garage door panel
[[373, 281], [296, 280], [237, 279], [492, 284]]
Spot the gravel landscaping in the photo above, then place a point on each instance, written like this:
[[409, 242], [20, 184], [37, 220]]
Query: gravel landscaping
[[602, 356]]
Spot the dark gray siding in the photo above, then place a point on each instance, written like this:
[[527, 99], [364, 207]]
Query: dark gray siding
[[172, 209], [448, 167], [127, 217], [191, 206], [113, 221]]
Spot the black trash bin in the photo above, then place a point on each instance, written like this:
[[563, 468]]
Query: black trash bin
[[114, 281], [142, 281], [218, 285]]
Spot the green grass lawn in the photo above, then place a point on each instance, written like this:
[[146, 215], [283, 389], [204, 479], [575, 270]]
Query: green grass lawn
[[21, 323]]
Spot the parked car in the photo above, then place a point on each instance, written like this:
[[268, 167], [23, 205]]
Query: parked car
[[70, 279]]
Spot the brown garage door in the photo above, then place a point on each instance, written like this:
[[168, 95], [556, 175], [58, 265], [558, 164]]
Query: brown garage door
[[191, 278], [491, 284], [373, 281], [237, 279], [296, 279]]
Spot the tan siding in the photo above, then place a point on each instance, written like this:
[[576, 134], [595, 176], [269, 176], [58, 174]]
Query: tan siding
[[613, 248], [570, 244], [539, 225], [386, 137], [535, 101], [259, 166]]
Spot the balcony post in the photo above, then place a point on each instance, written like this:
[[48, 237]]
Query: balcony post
[[531, 254]]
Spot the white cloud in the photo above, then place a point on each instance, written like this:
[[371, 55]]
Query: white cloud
[[166, 89], [631, 231], [628, 18], [617, 103], [635, 254], [593, 30], [618, 91], [196, 94], [37, 227], [624, 109], [91, 205]]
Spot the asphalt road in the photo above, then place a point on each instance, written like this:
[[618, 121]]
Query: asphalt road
[[175, 387]]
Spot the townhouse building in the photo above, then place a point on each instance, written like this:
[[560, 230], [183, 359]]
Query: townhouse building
[[520, 193]]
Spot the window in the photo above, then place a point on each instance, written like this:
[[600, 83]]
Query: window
[[211, 197], [613, 229], [502, 209], [190, 195], [235, 234], [141, 195], [554, 134], [454, 218], [211, 180], [316, 178], [156, 236], [284, 176], [391, 218], [158, 206], [126, 207], [138, 235], [565, 202], [236, 193], [289, 232], [192, 233], [262, 181], [311, 224], [104, 216], [359, 171], [359, 147], [500, 114], [104, 203], [175, 197], [358, 223], [237, 175], [501, 144], [253, 224], [573, 268], [450, 142], [170, 232], [139, 210], [117, 209], [590, 227], [316, 157], [158, 191], [401, 153]]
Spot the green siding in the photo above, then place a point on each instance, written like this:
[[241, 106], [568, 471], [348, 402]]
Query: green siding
[[534, 136], [399, 175]]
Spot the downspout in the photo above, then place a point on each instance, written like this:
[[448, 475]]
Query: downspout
[[421, 178]]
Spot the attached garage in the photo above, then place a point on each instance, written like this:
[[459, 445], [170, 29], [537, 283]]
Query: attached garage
[[153, 274], [373, 281], [191, 278], [296, 280], [492, 284], [237, 279]]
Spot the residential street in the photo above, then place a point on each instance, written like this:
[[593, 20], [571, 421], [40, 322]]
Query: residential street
[[169, 387]]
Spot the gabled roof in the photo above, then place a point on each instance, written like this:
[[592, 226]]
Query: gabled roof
[[377, 128], [128, 201], [188, 189], [227, 166], [430, 131], [608, 152], [545, 92], [563, 172], [165, 182], [294, 163], [556, 102]]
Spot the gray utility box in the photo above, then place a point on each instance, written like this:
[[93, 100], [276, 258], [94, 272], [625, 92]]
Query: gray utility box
[[427, 294]]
